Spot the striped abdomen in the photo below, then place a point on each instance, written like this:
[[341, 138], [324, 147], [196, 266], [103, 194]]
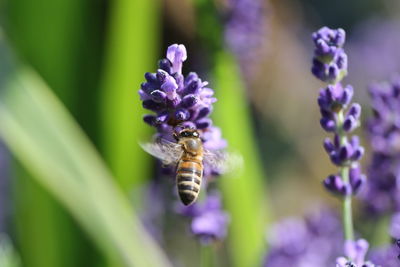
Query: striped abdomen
[[188, 178]]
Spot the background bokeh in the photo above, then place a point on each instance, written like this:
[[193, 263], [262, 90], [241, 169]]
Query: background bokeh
[[93, 54]]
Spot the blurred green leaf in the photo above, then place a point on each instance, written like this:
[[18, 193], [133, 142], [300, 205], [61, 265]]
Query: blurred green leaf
[[130, 52], [44, 137], [8, 256], [44, 229], [60, 40], [244, 195]]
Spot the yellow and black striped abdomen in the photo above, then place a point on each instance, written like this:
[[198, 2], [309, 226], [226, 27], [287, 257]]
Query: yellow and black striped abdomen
[[188, 179]]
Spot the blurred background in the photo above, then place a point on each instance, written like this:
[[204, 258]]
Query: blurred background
[[93, 54]]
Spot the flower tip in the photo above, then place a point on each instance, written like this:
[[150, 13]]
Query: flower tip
[[177, 52]]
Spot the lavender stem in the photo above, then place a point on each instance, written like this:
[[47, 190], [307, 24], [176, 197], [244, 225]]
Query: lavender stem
[[208, 256], [347, 215], [347, 210]]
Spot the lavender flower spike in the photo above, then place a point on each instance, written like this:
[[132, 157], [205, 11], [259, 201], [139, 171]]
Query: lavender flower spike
[[245, 29], [382, 192], [330, 61], [338, 115], [179, 101]]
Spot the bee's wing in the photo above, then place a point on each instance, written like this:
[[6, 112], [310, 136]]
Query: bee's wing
[[168, 152], [222, 161]]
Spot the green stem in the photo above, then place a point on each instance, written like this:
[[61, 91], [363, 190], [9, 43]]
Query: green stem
[[344, 172], [347, 211], [244, 195], [208, 256]]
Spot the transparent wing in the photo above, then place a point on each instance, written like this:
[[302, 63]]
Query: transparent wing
[[168, 152], [222, 161]]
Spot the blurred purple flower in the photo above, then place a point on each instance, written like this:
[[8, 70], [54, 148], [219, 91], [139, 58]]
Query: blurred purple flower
[[356, 251], [374, 51], [339, 115], [155, 206], [398, 245], [330, 60], [245, 30], [394, 229], [314, 241], [209, 221], [382, 192], [386, 256]]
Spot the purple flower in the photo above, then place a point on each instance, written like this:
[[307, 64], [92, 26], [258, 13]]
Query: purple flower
[[245, 30], [386, 256], [209, 221], [330, 60], [355, 252], [335, 184], [180, 101], [338, 115], [394, 230], [176, 55], [314, 241], [382, 193], [398, 245], [374, 51], [176, 99], [344, 154]]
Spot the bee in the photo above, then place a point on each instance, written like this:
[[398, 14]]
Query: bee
[[189, 157]]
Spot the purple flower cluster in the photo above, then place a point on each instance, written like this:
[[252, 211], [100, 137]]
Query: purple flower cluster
[[245, 30], [330, 60], [314, 241], [209, 221], [382, 193], [179, 101], [339, 115], [355, 250]]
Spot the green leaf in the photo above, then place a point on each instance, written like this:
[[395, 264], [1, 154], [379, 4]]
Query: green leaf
[[55, 38], [43, 136], [8, 256], [244, 195], [130, 52]]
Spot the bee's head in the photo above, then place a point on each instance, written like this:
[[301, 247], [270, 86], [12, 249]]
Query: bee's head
[[187, 133]]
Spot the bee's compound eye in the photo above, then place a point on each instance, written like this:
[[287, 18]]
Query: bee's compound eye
[[185, 134], [195, 134]]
